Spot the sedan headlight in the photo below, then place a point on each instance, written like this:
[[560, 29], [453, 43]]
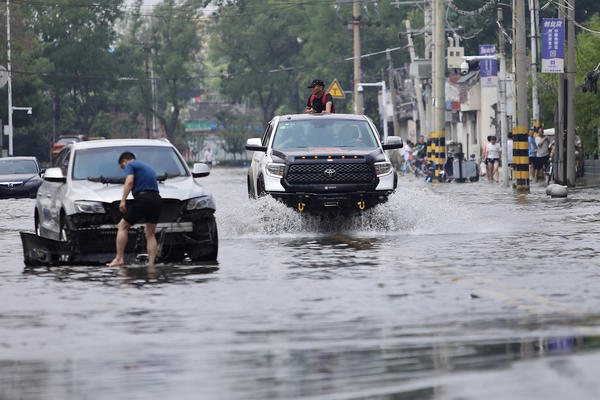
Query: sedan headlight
[[199, 203], [89, 207], [275, 170], [383, 168]]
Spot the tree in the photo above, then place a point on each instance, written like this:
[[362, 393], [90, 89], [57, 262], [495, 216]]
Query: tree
[[81, 71], [175, 42], [237, 130]]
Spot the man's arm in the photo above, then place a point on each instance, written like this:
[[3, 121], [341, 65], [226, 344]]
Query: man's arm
[[308, 107], [328, 106], [126, 190]]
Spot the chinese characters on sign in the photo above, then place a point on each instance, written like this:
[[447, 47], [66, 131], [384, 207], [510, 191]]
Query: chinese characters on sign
[[488, 68], [553, 45]]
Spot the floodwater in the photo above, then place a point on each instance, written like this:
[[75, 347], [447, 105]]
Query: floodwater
[[448, 291]]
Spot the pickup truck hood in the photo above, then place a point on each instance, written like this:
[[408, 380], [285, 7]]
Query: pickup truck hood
[[179, 188], [374, 154]]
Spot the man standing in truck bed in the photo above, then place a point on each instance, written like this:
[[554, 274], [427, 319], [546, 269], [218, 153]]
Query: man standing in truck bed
[[319, 101]]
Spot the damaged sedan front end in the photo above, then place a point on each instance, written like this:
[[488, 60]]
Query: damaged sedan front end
[[76, 214]]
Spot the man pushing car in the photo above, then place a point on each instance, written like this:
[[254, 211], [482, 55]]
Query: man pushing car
[[141, 182]]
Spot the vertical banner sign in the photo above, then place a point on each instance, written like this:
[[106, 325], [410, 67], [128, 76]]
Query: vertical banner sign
[[553, 45], [488, 69]]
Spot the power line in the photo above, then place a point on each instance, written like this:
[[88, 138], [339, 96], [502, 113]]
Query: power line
[[222, 76]]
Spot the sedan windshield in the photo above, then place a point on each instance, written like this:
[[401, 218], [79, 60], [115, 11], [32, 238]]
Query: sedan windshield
[[103, 161], [324, 133], [10, 167], [68, 140]]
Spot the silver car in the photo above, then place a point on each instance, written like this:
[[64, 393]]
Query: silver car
[[78, 202]]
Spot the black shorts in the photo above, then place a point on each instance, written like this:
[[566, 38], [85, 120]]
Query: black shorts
[[492, 161], [532, 160], [541, 162], [145, 208]]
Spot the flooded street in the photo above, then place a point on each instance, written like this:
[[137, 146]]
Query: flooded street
[[447, 291]]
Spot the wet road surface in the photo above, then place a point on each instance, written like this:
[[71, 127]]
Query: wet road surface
[[446, 292]]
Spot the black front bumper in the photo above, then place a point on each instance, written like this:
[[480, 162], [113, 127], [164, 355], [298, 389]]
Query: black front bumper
[[314, 202]]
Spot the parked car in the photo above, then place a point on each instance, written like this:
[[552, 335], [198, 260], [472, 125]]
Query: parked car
[[322, 162], [19, 177], [63, 140], [78, 203]]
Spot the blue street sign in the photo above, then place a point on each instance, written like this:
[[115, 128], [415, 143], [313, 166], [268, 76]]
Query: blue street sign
[[553, 45], [488, 69]]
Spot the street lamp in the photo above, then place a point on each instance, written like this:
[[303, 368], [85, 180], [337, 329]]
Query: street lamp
[[9, 70], [464, 67], [384, 102], [10, 127]]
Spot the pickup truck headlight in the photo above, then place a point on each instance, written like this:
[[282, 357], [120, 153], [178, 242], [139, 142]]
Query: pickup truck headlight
[[383, 168], [89, 207], [275, 170], [199, 203]]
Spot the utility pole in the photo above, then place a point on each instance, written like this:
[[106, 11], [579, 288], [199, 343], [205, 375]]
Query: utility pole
[[428, 22], [417, 82], [438, 134], [502, 98], [9, 70], [520, 137], [559, 129], [388, 57], [147, 51], [534, 8], [571, 95], [358, 103]]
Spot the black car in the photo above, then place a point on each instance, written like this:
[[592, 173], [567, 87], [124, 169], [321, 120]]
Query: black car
[[19, 177]]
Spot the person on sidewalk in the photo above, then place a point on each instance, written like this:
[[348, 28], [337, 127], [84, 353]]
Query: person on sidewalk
[[543, 154], [491, 156], [509, 155], [147, 203], [532, 153]]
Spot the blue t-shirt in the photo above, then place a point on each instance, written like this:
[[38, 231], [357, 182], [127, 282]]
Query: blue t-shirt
[[144, 177], [532, 147]]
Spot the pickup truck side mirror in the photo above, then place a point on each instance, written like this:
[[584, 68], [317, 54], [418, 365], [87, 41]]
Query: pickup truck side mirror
[[200, 170], [254, 144], [54, 175], [393, 142]]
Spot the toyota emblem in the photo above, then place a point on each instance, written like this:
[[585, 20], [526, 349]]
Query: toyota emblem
[[329, 172], [10, 185]]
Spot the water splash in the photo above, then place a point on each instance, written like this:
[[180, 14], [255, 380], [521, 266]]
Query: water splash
[[408, 211]]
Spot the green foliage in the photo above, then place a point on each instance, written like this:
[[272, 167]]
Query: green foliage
[[237, 130], [274, 49], [175, 40]]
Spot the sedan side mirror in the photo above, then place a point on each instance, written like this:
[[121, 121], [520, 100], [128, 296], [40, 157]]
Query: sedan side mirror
[[393, 142], [254, 144], [54, 175], [200, 170]]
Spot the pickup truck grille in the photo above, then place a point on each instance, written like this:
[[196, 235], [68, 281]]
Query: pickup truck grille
[[330, 173]]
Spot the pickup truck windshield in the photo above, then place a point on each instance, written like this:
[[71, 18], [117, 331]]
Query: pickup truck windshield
[[324, 133], [103, 162]]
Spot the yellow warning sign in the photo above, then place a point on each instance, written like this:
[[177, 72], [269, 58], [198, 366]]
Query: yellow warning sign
[[335, 90]]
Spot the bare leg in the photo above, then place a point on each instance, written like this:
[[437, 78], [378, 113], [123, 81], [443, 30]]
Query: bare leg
[[490, 172], [122, 236], [496, 173], [151, 243]]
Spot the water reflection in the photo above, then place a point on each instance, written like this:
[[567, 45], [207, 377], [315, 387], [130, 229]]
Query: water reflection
[[136, 275]]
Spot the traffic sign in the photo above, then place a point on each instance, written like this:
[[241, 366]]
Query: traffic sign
[[3, 76], [335, 90]]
